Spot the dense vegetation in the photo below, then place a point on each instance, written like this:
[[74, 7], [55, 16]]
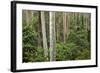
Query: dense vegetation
[[55, 36]]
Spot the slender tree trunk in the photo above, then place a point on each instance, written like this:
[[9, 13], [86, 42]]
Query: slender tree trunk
[[44, 34], [64, 27], [68, 24], [39, 30], [52, 36], [88, 21], [85, 21], [57, 26]]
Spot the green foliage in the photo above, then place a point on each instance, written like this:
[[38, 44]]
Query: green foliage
[[39, 55], [79, 38], [29, 35], [71, 51], [85, 54], [29, 38], [31, 53]]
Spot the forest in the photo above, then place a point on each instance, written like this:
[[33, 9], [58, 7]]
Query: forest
[[55, 36]]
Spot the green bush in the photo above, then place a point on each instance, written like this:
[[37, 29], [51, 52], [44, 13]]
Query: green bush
[[71, 51], [85, 54]]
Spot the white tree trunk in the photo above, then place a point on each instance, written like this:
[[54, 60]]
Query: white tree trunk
[[52, 36], [44, 34]]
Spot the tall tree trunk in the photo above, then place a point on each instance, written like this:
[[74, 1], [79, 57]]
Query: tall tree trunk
[[44, 34], [88, 21], [68, 23], [29, 16], [64, 27], [57, 26], [85, 21], [52, 36], [39, 30]]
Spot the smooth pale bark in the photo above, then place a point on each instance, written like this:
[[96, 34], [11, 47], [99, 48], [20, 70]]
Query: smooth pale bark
[[68, 24], [64, 27], [76, 20], [44, 34], [52, 36]]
